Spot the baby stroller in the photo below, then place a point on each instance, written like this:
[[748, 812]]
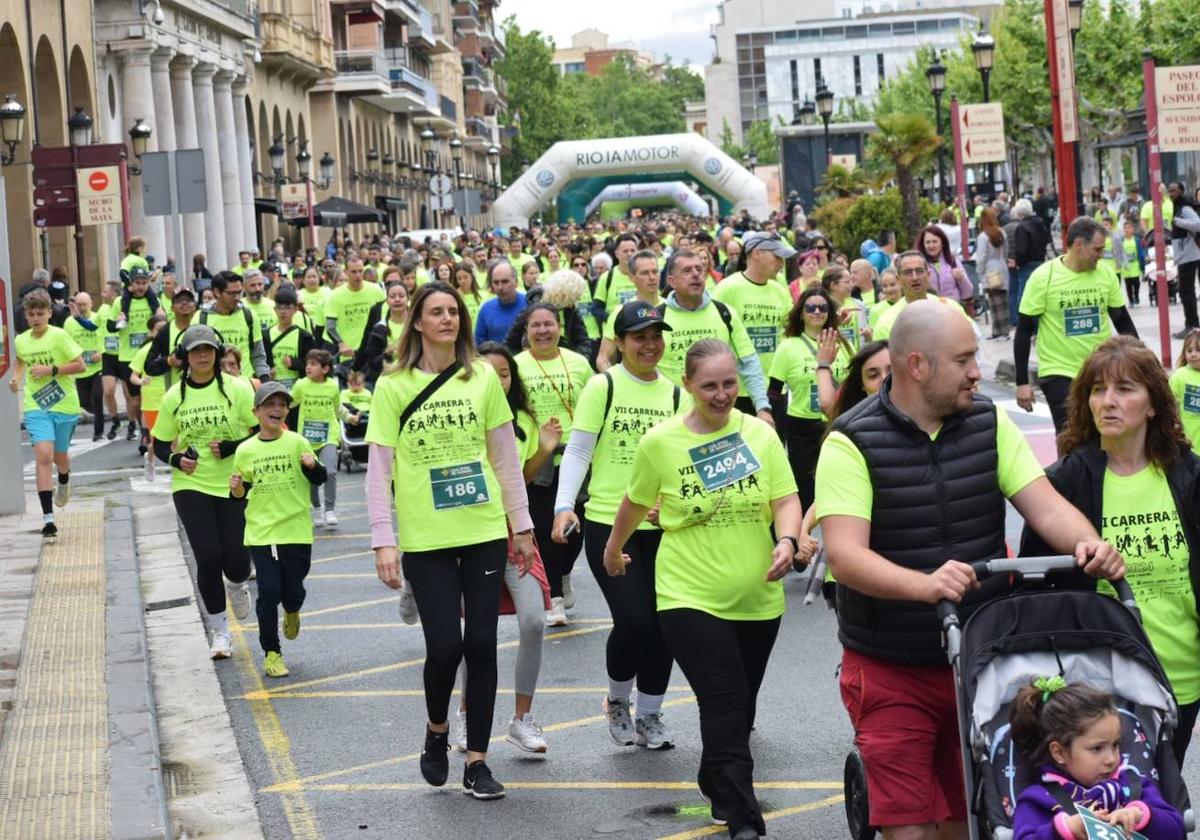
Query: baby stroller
[[1085, 636], [353, 447]]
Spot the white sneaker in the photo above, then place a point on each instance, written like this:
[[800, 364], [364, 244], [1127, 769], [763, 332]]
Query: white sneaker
[[620, 722], [149, 472], [331, 520], [652, 733], [221, 646], [568, 598], [555, 617], [318, 518], [62, 492], [524, 733], [408, 605], [239, 598], [459, 730]]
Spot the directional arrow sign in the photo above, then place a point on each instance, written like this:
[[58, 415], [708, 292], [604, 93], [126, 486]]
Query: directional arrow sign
[[981, 128]]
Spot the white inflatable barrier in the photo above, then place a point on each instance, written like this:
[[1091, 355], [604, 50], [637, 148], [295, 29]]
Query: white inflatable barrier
[[684, 196], [568, 160]]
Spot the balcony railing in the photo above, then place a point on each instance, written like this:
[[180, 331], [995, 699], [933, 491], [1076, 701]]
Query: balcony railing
[[420, 20], [480, 127], [403, 76], [472, 69], [360, 63]]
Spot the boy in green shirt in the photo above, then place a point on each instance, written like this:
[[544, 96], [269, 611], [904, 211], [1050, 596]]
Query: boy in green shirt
[[356, 399], [318, 399], [275, 468]]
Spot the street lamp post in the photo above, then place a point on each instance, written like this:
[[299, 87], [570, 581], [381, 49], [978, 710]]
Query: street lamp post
[[12, 127], [139, 138], [825, 110], [493, 156], [1075, 22], [808, 117], [428, 144], [456, 158], [936, 76], [984, 48]]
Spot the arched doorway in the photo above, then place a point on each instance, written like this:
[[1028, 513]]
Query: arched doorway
[[88, 275], [56, 245], [18, 180]]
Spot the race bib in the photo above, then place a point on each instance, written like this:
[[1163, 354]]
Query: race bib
[[111, 344], [315, 431], [723, 462], [1191, 399], [626, 295], [814, 398], [1098, 829], [1081, 320], [48, 395], [763, 338], [136, 340], [460, 486]]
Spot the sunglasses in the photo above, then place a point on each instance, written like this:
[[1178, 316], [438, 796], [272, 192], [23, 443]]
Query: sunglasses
[[813, 308]]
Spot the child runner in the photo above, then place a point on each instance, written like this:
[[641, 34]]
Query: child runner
[[275, 468], [1074, 733], [317, 397], [153, 387], [47, 359], [1185, 385]]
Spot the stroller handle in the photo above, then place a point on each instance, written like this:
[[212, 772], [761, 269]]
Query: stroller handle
[[1031, 568]]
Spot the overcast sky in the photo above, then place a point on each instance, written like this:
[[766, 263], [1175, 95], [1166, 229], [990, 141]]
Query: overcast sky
[[678, 28]]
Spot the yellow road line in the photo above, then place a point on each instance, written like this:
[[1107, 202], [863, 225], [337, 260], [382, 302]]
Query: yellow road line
[[709, 830], [374, 602], [395, 666], [341, 536], [420, 692], [596, 785], [299, 814], [300, 784], [392, 625]]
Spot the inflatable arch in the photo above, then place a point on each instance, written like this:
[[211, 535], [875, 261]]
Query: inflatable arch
[[571, 159], [678, 192]]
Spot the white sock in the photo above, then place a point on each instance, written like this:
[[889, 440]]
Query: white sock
[[649, 704], [620, 689], [47, 518]]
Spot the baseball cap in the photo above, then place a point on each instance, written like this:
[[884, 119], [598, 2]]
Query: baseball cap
[[637, 315], [186, 292], [268, 390], [199, 335], [138, 272], [769, 242]]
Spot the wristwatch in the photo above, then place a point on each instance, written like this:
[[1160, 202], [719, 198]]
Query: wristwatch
[[54, 370], [526, 532], [823, 366], [795, 543]]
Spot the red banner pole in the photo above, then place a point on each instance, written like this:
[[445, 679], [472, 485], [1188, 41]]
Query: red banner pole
[[960, 180], [1156, 187], [1064, 153], [126, 224]]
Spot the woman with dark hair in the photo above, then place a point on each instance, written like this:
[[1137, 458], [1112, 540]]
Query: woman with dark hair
[[991, 264], [442, 428], [946, 277], [864, 374], [1128, 467], [795, 367]]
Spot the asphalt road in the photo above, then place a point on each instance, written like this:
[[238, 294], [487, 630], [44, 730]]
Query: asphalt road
[[331, 750]]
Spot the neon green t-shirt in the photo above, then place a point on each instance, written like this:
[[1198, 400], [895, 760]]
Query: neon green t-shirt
[[637, 407], [264, 311], [1142, 522], [1168, 214], [350, 309], [1072, 312], [764, 311], [851, 329], [48, 393], [877, 311], [615, 289], [319, 405], [285, 344], [554, 385], [236, 330], [277, 503], [360, 399], [135, 333], [689, 326], [1131, 267], [314, 303], [111, 344], [153, 387], [883, 327], [451, 496], [843, 484], [1185, 385], [196, 416], [528, 447], [796, 366], [90, 341], [868, 297], [716, 493]]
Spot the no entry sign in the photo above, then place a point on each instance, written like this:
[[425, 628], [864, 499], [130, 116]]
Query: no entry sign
[[99, 195]]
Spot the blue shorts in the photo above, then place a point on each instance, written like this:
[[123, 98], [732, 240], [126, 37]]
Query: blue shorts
[[54, 426]]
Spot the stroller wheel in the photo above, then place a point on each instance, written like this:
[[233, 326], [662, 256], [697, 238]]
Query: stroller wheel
[[854, 787]]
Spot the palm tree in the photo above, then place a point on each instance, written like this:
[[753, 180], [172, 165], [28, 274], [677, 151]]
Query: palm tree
[[843, 182], [905, 142]]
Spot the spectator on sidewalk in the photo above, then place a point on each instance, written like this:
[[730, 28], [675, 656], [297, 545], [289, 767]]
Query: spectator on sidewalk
[[1185, 240], [1028, 247]]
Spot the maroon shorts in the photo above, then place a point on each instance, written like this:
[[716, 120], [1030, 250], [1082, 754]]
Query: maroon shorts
[[906, 727]]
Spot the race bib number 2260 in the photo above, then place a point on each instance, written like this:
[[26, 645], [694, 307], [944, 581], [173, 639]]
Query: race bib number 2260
[[723, 462]]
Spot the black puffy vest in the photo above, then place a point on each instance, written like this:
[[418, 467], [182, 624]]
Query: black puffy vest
[[934, 500]]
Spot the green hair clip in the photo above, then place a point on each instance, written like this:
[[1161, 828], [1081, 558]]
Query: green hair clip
[[1049, 685]]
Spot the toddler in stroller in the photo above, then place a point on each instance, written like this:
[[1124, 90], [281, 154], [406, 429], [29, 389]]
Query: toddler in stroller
[[357, 401]]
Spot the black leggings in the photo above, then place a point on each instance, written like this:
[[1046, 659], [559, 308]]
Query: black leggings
[[558, 559], [214, 527], [91, 397], [1187, 293], [1183, 735], [636, 647], [1057, 390], [281, 572], [803, 447], [724, 662], [442, 581], [1133, 289]]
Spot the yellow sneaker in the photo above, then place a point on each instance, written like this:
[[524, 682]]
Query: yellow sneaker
[[274, 665], [291, 625]]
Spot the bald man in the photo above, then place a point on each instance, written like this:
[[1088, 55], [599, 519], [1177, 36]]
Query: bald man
[[910, 489], [84, 327]]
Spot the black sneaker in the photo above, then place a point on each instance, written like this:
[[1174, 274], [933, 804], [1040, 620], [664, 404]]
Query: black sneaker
[[478, 782], [435, 763], [97, 438], [131, 432], [718, 816], [112, 432], [50, 532]]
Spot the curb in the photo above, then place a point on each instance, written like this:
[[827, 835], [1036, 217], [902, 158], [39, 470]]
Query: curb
[[1006, 370], [137, 793]]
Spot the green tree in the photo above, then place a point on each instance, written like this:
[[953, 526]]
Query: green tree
[[905, 142], [843, 182], [682, 83], [532, 95], [1172, 30]]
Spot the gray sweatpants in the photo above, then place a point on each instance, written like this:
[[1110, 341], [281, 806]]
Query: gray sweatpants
[[526, 594], [327, 455]]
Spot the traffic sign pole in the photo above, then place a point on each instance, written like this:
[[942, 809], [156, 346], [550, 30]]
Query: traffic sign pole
[[1064, 151], [1156, 176], [126, 224], [960, 180]]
